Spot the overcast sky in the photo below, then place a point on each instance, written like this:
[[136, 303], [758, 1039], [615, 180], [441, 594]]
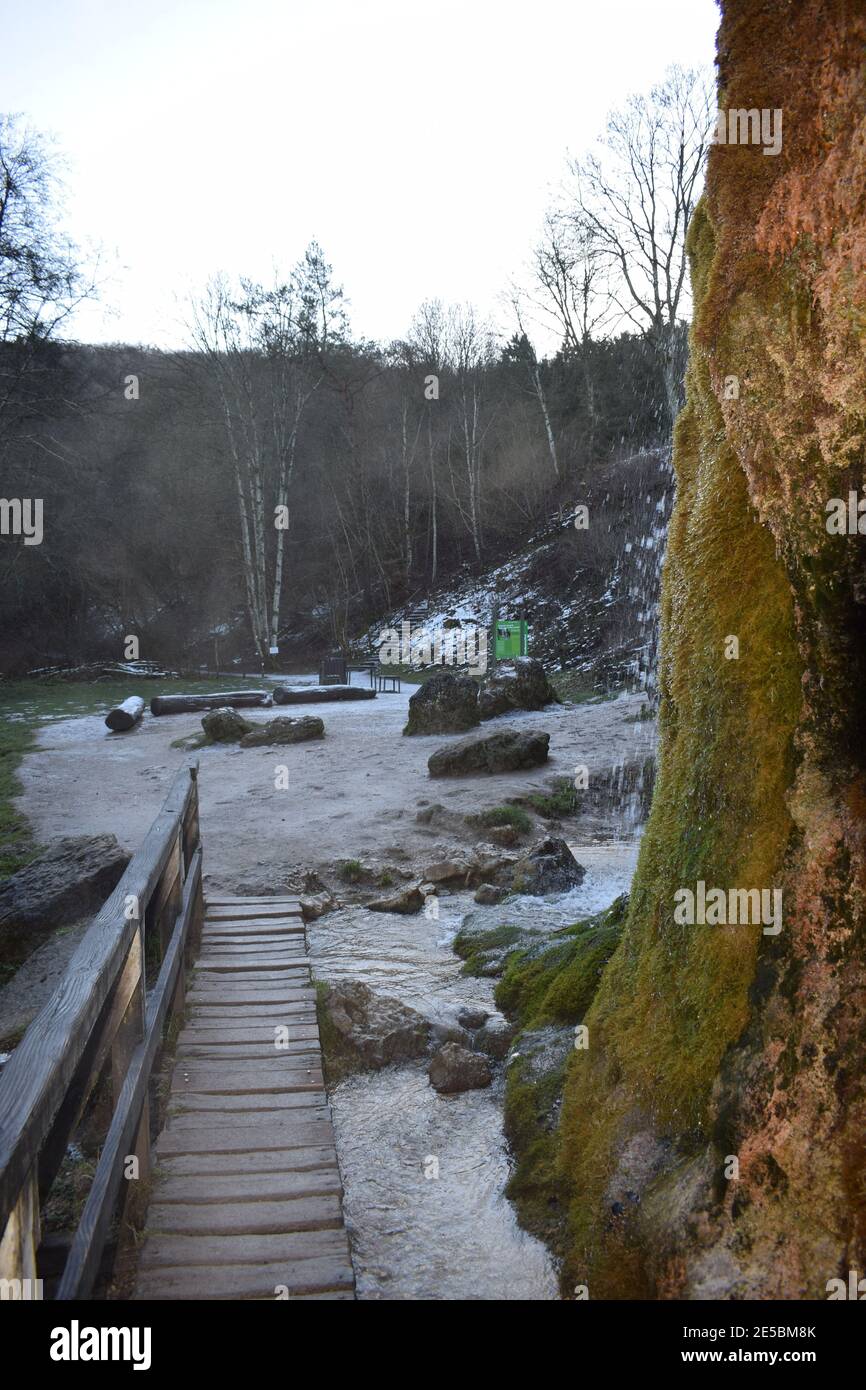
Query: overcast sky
[[417, 141]]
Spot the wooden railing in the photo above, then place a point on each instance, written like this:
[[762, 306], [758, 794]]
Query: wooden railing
[[94, 1048]]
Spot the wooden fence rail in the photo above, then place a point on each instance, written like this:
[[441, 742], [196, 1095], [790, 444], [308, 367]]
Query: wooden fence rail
[[101, 1034]]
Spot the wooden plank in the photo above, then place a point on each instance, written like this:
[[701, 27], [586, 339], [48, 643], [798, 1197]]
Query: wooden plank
[[162, 1252], [214, 899], [249, 991], [239, 1218], [275, 931], [249, 1032], [265, 1015], [217, 1053], [20, 1238], [180, 1120], [249, 1082], [255, 946], [304, 1158], [256, 914], [214, 1106], [246, 1139], [247, 1187], [321, 1276]]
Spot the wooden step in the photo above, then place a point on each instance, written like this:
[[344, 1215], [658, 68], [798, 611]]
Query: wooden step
[[320, 1276]]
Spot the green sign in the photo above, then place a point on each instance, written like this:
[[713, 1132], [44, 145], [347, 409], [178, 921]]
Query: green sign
[[512, 638]]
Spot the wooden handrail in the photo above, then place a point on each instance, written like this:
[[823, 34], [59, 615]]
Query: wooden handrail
[[100, 1018]]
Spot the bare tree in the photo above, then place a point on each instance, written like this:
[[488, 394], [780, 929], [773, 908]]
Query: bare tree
[[636, 197], [41, 281]]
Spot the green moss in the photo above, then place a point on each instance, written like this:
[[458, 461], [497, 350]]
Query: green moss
[[536, 1186], [476, 948], [547, 988], [503, 815], [556, 981]]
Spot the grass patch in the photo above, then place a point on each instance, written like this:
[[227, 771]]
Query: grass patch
[[558, 804], [503, 815], [352, 871]]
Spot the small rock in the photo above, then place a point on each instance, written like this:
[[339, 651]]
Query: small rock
[[548, 868], [315, 905], [410, 900], [454, 1068], [472, 1018], [495, 1037], [489, 895]]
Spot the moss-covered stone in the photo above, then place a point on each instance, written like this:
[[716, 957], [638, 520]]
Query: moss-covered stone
[[707, 1042]]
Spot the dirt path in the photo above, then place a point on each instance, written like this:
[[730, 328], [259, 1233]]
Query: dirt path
[[353, 795]]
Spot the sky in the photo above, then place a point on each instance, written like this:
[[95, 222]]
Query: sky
[[419, 143]]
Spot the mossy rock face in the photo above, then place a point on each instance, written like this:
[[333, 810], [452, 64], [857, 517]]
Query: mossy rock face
[[707, 1041], [547, 988]]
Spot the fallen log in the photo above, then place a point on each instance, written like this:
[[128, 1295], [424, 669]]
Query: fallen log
[[188, 704], [125, 715], [314, 694]]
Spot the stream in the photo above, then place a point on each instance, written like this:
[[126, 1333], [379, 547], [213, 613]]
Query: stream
[[424, 1174]]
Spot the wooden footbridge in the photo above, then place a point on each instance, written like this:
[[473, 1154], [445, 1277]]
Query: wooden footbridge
[[181, 1051]]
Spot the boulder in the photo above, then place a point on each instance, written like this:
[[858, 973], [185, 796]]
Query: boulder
[[548, 868], [508, 750], [446, 704], [495, 1037], [364, 1031], [314, 905], [411, 899], [284, 729], [521, 686], [225, 725], [454, 1068], [70, 880]]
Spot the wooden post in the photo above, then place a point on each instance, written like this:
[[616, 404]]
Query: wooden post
[[129, 1034], [21, 1237]]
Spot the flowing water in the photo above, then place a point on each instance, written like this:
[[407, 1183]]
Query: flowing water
[[425, 1174]]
